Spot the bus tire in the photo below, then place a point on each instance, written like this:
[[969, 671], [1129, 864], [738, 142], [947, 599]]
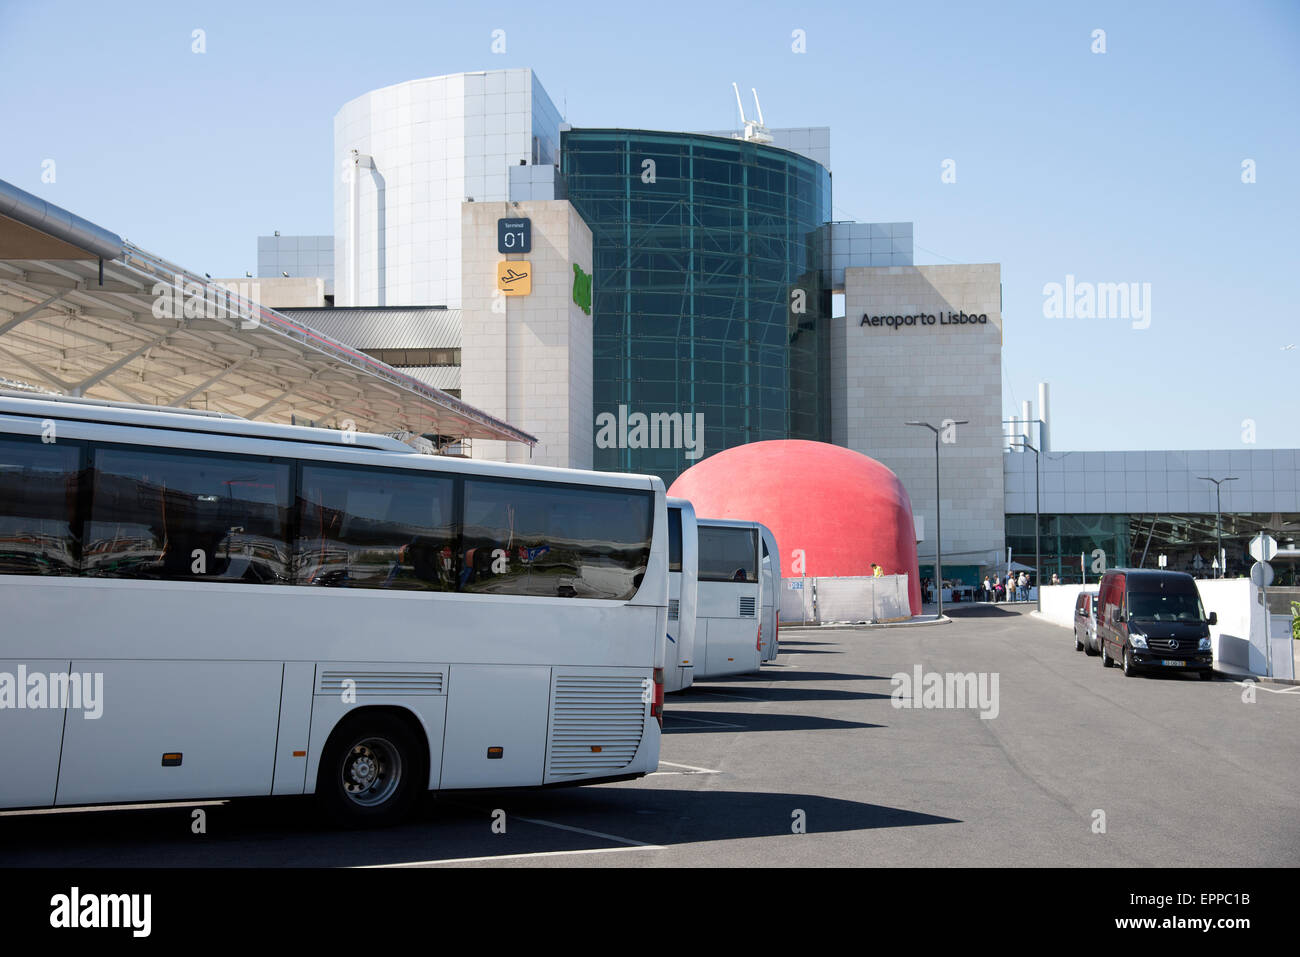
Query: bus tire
[[370, 771]]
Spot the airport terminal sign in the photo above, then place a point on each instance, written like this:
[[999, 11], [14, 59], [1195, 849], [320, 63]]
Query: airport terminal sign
[[924, 319]]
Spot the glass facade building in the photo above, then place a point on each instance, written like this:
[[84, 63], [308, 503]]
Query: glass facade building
[[1188, 542], [709, 296]]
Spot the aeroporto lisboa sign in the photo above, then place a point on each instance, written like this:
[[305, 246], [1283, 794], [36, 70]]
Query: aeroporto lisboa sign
[[924, 319]]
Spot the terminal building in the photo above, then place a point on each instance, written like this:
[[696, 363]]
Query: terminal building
[[638, 300]]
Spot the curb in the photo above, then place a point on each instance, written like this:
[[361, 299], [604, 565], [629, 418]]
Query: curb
[[945, 620]]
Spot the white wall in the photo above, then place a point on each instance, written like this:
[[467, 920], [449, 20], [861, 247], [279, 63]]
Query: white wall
[[1058, 602], [846, 599]]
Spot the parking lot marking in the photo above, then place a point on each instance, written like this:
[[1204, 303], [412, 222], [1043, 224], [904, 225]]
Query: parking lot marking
[[562, 827], [511, 857], [717, 724], [690, 769], [1260, 686], [723, 694]]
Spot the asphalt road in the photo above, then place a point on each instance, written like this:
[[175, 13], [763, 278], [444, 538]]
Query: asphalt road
[[1186, 773]]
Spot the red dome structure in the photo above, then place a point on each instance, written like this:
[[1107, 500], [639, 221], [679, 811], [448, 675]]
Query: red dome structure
[[841, 508]]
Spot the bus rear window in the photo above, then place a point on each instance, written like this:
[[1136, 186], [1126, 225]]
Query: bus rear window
[[728, 554], [528, 538], [674, 539]]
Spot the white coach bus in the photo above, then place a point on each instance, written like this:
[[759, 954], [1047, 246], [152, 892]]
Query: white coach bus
[[683, 587], [728, 638], [261, 609], [771, 588]]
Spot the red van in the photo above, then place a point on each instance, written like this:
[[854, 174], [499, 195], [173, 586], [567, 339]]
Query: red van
[[1153, 621]]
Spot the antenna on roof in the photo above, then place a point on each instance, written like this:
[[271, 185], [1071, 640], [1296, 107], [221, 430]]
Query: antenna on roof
[[739, 104], [755, 131]]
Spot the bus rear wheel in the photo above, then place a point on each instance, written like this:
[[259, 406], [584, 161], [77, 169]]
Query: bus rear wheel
[[370, 771]]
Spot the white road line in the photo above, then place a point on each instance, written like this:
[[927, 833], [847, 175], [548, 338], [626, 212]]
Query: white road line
[[1263, 687], [723, 694], [561, 827], [581, 830], [512, 857], [689, 767], [676, 716]]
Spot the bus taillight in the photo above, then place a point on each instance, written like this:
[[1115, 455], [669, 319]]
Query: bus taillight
[[759, 644], [657, 707]]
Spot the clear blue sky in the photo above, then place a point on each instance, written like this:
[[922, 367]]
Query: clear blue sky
[[1115, 167]]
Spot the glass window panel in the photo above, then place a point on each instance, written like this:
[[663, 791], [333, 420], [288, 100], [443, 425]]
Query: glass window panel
[[188, 516], [555, 540], [728, 554], [372, 528], [38, 503]]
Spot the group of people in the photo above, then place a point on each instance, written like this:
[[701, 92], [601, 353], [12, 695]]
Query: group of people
[[1010, 587]]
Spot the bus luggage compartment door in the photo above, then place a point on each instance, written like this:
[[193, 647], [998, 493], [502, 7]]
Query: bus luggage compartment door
[[30, 736], [490, 707], [219, 716]]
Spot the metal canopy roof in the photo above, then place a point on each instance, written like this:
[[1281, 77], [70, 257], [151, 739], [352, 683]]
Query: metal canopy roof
[[139, 328], [385, 327]]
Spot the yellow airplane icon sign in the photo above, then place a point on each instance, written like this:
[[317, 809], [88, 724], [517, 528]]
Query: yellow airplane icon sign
[[515, 277]]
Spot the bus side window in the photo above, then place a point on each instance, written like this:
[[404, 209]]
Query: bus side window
[[38, 496], [371, 528], [193, 516]]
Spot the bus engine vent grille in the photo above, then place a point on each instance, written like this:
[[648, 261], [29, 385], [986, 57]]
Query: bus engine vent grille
[[747, 608], [380, 682], [674, 609], [596, 723]]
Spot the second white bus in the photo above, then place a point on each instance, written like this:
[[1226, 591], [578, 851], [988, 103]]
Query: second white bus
[[727, 640]]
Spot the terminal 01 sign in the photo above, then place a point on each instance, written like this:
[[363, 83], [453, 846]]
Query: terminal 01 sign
[[923, 319]]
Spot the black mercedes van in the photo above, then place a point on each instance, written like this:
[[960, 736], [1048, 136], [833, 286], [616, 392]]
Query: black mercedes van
[[1153, 621]]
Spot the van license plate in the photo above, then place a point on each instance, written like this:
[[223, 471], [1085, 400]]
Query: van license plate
[[1175, 664]]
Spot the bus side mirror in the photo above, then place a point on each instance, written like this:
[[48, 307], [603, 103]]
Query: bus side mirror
[[1214, 618]]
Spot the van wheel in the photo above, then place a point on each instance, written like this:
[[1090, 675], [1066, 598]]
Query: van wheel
[[369, 772], [1105, 658], [1128, 664]]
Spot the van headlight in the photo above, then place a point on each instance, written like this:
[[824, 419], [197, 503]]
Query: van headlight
[[1139, 640], [1204, 645]]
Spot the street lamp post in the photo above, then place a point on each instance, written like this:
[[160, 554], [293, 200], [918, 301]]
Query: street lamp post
[[1038, 557], [938, 518], [1218, 517]]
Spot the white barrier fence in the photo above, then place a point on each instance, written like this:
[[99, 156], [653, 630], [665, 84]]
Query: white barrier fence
[[1237, 639], [818, 601]]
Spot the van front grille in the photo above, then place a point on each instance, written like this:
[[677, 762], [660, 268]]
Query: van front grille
[[1184, 645]]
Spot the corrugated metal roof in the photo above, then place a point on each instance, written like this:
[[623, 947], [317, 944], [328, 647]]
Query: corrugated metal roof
[[384, 327], [440, 377]]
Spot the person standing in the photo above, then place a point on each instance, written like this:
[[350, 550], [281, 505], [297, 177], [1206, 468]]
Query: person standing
[[987, 593]]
